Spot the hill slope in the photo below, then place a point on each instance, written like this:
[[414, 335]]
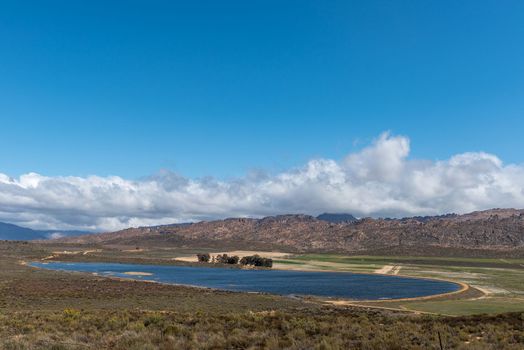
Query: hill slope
[[497, 229], [13, 232]]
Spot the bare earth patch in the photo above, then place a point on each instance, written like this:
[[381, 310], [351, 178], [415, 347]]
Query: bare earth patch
[[389, 270], [490, 290], [91, 251]]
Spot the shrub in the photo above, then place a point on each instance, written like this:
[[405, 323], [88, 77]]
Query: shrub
[[225, 259], [256, 260], [71, 313], [204, 258]]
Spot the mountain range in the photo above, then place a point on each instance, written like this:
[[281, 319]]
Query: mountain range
[[496, 229], [14, 232]]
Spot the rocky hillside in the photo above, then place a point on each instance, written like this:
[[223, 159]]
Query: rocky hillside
[[497, 229]]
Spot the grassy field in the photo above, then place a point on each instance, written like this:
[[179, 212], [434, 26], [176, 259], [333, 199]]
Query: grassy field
[[42, 309]]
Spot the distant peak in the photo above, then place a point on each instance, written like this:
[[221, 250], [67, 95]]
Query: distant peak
[[337, 218]]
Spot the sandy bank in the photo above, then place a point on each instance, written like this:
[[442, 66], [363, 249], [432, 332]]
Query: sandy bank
[[134, 273]]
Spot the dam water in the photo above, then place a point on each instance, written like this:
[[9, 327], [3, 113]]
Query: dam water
[[282, 282]]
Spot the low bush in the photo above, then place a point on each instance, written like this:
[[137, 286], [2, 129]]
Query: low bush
[[225, 259], [204, 258], [256, 260]]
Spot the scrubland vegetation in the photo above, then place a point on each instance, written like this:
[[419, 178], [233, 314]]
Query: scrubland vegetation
[[299, 329]]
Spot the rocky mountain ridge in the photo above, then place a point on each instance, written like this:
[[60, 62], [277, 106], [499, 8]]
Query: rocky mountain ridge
[[496, 229]]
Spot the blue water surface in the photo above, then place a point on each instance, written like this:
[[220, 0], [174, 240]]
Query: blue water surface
[[323, 284]]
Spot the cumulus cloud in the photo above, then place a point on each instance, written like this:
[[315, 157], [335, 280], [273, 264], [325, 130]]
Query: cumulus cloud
[[379, 180]]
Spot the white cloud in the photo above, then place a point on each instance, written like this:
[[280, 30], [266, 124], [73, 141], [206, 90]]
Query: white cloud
[[379, 180], [384, 160], [56, 235]]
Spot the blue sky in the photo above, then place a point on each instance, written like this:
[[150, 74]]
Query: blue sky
[[128, 113], [208, 88]]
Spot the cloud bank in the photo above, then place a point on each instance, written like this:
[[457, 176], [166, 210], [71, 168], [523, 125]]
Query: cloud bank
[[379, 180]]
